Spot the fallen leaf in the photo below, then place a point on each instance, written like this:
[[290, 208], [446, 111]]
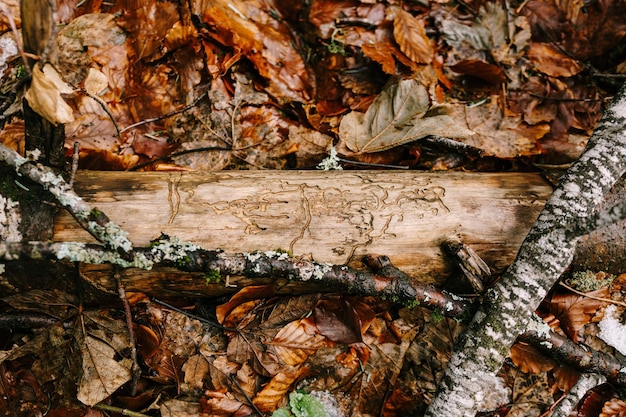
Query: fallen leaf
[[499, 134], [401, 113], [196, 369], [574, 311], [410, 35], [265, 41], [529, 359], [293, 344], [553, 62], [95, 82], [480, 69], [336, 319], [44, 95], [102, 373], [269, 397]]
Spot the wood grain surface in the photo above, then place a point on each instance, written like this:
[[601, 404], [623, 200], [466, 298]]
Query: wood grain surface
[[333, 217]]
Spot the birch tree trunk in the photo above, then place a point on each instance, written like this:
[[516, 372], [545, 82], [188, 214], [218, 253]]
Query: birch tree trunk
[[470, 384]]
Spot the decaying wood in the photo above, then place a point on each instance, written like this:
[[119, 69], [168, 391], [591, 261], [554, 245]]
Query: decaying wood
[[331, 217]]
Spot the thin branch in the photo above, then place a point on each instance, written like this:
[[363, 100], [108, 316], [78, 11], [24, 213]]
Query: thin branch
[[135, 369], [165, 116], [94, 221], [191, 258], [576, 393], [16, 36], [388, 282], [606, 300]]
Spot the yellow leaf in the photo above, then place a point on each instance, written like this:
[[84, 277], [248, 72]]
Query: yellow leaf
[[44, 95]]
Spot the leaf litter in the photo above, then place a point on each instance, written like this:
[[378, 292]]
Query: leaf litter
[[275, 85]]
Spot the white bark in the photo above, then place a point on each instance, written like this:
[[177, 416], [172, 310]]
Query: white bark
[[576, 393], [546, 252]]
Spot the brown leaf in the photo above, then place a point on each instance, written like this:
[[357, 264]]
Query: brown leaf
[[401, 113], [336, 319], [551, 61], [565, 377], [104, 370], [44, 95], [529, 393], [250, 293], [410, 34], [381, 52], [268, 399], [480, 69], [529, 359], [147, 21], [614, 407], [574, 311], [326, 11], [293, 344], [499, 134], [583, 32], [13, 7], [222, 403], [266, 42], [12, 136], [196, 369]]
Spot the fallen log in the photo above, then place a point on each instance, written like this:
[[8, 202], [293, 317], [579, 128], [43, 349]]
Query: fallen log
[[333, 217]]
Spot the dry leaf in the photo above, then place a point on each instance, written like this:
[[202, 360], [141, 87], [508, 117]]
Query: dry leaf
[[44, 95], [268, 398], [95, 82], [410, 35], [500, 135], [196, 369], [402, 113], [529, 359], [102, 374], [265, 41], [574, 311], [294, 345], [551, 61]]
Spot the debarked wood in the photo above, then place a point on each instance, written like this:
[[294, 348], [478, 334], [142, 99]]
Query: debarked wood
[[333, 217]]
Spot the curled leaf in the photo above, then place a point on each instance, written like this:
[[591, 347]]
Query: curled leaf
[[44, 95], [402, 113]]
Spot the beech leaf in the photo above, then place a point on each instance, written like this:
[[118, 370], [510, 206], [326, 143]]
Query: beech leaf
[[401, 113], [44, 95], [410, 35], [102, 374]]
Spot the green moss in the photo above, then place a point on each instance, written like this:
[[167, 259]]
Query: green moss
[[9, 189], [411, 304], [95, 213], [183, 260], [585, 281], [213, 277], [436, 315]]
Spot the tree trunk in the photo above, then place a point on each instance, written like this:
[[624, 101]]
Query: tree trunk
[[470, 384]]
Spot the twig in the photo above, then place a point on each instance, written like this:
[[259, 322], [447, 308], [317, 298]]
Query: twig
[[75, 157], [165, 116], [104, 107], [119, 410], [17, 37], [94, 221], [606, 300], [136, 369]]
